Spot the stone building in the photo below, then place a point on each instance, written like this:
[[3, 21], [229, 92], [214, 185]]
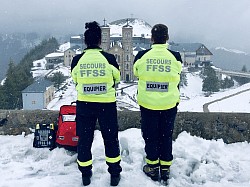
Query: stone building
[[124, 45], [122, 49], [53, 59], [70, 53], [192, 54]]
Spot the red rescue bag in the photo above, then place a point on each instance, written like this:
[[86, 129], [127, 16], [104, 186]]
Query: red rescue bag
[[66, 133]]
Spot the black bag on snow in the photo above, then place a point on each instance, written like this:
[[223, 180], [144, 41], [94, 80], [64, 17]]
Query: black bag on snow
[[45, 136]]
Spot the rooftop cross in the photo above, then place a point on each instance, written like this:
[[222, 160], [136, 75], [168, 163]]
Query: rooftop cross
[[104, 21], [127, 21]]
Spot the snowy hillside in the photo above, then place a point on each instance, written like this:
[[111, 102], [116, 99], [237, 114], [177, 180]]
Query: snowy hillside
[[231, 50], [139, 27], [192, 97]]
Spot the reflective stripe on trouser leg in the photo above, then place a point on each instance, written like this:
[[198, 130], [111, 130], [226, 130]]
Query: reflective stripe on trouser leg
[[113, 160], [165, 164], [84, 164], [152, 162], [85, 126], [107, 118]]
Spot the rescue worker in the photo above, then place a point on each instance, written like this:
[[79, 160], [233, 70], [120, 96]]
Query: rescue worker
[[95, 74], [158, 70]]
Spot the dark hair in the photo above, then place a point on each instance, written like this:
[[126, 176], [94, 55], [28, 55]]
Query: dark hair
[[93, 34], [160, 34]]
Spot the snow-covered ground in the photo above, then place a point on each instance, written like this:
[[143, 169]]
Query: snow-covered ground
[[197, 162], [193, 98]]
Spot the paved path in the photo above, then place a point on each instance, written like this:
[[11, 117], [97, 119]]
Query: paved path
[[205, 106]]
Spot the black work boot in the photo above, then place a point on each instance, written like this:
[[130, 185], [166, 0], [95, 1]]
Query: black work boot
[[86, 179], [115, 179], [152, 172], [165, 175]]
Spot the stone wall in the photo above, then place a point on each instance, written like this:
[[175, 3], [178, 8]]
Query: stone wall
[[231, 127]]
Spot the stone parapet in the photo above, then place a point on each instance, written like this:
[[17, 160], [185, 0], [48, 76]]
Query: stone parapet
[[231, 127]]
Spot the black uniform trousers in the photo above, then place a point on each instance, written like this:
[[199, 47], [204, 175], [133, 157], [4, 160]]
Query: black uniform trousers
[[87, 114], [157, 130]]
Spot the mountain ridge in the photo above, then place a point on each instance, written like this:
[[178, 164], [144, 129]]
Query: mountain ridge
[[230, 59]]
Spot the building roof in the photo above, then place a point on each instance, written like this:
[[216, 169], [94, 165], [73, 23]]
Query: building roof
[[39, 86], [187, 47], [55, 54], [74, 48]]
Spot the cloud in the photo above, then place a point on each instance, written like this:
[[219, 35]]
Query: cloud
[[211, 21]]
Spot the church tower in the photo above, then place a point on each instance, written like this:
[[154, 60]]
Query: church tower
[[127, 45], [105, 45]]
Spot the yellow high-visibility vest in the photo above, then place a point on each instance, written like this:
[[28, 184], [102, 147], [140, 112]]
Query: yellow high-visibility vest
[[95, 77], [158, 72]]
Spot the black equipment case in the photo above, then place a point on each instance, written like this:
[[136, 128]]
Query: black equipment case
[[45, 136]]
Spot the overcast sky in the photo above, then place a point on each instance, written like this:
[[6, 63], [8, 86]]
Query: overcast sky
[[212, 22]]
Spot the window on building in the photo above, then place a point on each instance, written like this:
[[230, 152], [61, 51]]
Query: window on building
[[33, 102], [127, 58], [127, 66], [127, 77], [118, 59]]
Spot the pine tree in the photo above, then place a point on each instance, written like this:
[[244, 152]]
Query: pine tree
[[57, 79], [10, 87], [227, 83], [2, 97], [242, 80], [210, 81], [19, 76], [244, 69]]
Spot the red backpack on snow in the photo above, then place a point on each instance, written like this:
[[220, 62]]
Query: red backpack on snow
[[66, 133]]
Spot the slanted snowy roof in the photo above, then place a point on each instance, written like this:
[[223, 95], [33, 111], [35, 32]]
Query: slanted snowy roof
[[76, 37], [55, 54], [187, 47], [39, 86], [64, 47]]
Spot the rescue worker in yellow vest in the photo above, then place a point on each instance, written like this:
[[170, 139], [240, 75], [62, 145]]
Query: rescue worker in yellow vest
[[95, 74], [158, 70]]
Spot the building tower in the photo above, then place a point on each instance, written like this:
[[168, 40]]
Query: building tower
[[105, 45], [127, 45]]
